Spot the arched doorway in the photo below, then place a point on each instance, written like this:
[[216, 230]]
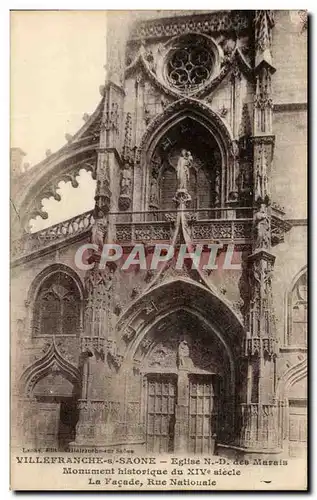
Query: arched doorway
[[49, 390], [297, 419], [181, 370], [292, 394], [58, 413], [186, 376]]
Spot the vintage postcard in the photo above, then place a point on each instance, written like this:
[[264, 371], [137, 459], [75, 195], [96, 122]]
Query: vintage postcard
[[159, 250]]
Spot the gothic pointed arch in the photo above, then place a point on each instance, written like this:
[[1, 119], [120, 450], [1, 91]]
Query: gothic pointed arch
[[290, 377], [180, 325], [51, 363], [181, 292], [183, 123], [48, 271], [55, 302], [174, 112]]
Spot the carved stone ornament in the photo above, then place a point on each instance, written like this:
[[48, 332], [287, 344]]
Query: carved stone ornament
[[35, 242], [264, 22], [184, 163], [262, 228], [127, 150], [269, 347], [170, 111], [253, 346], [91, 345], [190, 63], [257, 346], [110, 120], [182, 197], [51, 189], [126, 176], [128, 334], [98, 232], [184, 360], [217, 21], [113, 352]]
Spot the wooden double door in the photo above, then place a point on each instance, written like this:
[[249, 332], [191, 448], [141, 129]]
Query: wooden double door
[[197, 421]]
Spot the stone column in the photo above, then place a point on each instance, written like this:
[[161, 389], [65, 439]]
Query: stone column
[[94, 348], [181, 412], [259, 413], [234, 154], [96, 340]]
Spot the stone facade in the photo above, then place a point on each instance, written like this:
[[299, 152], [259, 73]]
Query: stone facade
[[173, 360]]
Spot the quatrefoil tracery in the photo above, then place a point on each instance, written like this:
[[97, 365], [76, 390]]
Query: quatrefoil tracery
[[189, 66]]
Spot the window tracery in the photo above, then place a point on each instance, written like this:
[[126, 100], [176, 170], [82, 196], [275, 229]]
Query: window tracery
[[190, 63], [189, 67], [57, 307]]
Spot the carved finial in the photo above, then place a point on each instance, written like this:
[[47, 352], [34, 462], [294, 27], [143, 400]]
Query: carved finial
[[68, 138], [48, 153], [86, 117], [102, 90], [264, 22]]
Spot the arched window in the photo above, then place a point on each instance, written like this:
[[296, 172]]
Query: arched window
[[57, 306], [297, 312], [204, 170]]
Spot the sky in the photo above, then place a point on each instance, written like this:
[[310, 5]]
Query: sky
[[57, 66]]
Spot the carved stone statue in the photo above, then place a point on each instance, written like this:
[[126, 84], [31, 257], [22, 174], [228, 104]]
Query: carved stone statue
[[182, 170], [261, 174], [126, 181], [154, 192], [184, 360], [262, 227], [98, 233]]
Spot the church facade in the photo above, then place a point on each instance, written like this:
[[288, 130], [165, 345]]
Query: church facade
[[199, 140]]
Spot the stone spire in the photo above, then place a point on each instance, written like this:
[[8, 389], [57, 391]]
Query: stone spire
[[264, 22]]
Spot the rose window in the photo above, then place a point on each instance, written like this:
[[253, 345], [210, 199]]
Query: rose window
[[189, 66]]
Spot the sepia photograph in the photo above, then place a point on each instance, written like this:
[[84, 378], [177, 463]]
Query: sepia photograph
[[158, 213]]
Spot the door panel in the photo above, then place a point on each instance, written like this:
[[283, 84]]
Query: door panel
[[298, 428], [47, 425], [161, 399], [203, 414]]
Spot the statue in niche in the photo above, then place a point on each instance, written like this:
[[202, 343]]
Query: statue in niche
[[184, 360], [261, 175], [182, 170], [154, 192], [262, 227], [126, 181]]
